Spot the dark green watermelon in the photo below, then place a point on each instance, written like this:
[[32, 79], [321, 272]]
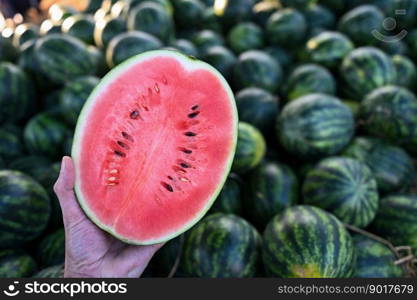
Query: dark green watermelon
[[51, 272], [305, 241], [390, 113], [307, 79], [16, 263], [229, 200], [185, 46], [152, 18], [62, 57], [392, 167], [99, 61], [406, 70], [81, 27], [360, 23], [258, 107], [271, 188], [108, 28], [233, 12], [48, 179], [206, 39], [328, 48], [24, 32], [245, 36], [319, 18], [345, 187], [7, 51], [286, 28], [51, 249], [366, 69], [283, 57], [210, 20], [315, 126], [24, 211], [93, 5], [222, 59], [250, 148], [33, 165], [221, 246], [129, 44], [374, 260], [397, 220], [10, 145], [188, 12], [74, 95], [17, 97], [44, 135], [256, 68]]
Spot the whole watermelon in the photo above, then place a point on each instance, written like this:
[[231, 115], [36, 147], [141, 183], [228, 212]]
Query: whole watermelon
[[62, 58], [306, 241], [365, 69], [51, 249], [10, 145], [221, 246], [222, 59], [245, 36], [392, 167], [374, 259], [314, 126], [272, 187], [16, 263], [17, 99], [80, 26], [108, 28], [345, 187], [24, 211]]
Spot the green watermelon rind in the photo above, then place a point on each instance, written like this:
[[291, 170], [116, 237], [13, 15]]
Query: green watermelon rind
[[189, 63]]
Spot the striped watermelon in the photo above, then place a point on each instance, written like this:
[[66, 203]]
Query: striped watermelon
[[307, 79], [271, 188], [44, 135], [80, 26], [62, 57], [345, 187], [16, 263], [25, 32], [17, 98], [256, 68], [374, 260], [390, 113], [108, 28], [245, 36], [397, 220], [10, 145], [392, 167], [222, 245], [24, 210], [314, 126], [250, 148], [365, 69], [188, 13], [51, 249], [328, 48], [222, 59], [305, 241], [258, 107]]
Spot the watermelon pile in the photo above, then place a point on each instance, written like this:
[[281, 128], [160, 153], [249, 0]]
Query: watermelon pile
[[323, 182]]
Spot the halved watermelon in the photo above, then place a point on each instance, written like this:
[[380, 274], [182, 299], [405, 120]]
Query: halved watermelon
[[153, 146]]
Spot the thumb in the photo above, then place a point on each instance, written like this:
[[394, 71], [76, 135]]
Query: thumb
[[64, 189]]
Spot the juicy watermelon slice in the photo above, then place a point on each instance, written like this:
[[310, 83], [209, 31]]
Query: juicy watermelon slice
[[153, 146]]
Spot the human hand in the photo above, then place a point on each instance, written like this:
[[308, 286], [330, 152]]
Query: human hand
[[89, 251]]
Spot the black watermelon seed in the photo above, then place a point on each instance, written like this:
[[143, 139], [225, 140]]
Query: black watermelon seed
[[123, 145], [127, 136], [193, 115], [184, 165], [189, 133], [119, 153], [167, 186], [134, 114], [194, 107]]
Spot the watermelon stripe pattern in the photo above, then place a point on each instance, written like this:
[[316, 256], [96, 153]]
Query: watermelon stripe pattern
[[16, 263], [345, 187], [222, 246], [24, 209], [374, 260], [315, 125], [305, 241], [397, 220]]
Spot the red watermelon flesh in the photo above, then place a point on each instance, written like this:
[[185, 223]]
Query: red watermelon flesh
[[153, 146]]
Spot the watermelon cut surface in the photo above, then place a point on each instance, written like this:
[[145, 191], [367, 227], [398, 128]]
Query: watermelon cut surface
[[153, 146]]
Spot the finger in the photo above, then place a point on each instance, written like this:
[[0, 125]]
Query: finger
[[64, 189]]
